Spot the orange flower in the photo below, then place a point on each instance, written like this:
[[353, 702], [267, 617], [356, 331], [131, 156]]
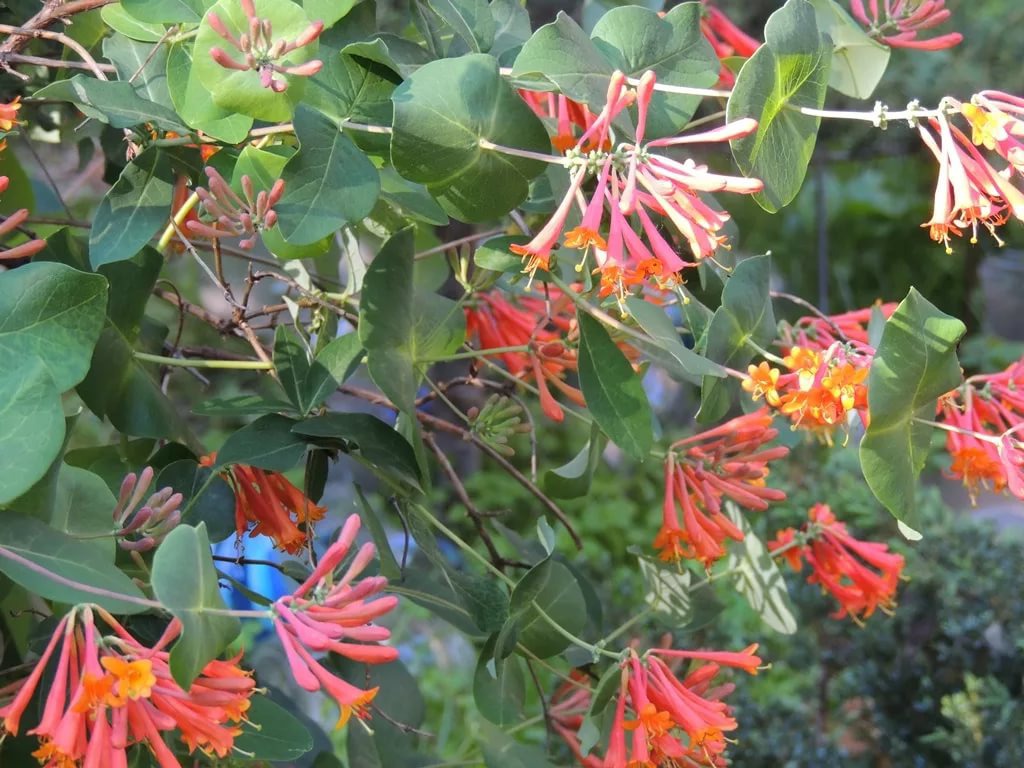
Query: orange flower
[[762, 381], [861, 575], [727, 462], [9, 114], [269, 500], [131, 679]]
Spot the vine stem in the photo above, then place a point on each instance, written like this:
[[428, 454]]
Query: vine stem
[[878, 116], [541, 156], [455, 539], [474, 353], [178, 221], [180, 362], [100, 592]]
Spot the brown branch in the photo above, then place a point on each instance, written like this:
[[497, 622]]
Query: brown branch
[[52, 11], [463, 496], [42, 61], [446, 426], [27, 32]]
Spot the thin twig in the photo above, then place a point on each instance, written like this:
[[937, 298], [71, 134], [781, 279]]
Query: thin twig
[[60, 37]]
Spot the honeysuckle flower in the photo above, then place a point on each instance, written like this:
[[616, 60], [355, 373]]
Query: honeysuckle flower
[[861, 575], [566, 710], [109, 692], [727, 40], [261, 52], [727, 462], [635, 185], [662, 720], [142, 528], [543, 327], [10, 225], [569, 116], [996, 124], [896, 23], [270, 501], [326, 615], [9, 114], [985, 417], [231, 215], [818, 333]]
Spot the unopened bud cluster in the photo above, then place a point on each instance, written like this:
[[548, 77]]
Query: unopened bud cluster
[[496, 422], [260, 52], [139, 529], [233, 216]]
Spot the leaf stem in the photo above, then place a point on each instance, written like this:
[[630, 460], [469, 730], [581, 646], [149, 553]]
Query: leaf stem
[[180, 362], [528, 154]]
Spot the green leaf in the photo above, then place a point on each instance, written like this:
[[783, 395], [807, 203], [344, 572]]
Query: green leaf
[[29, 544], [270, 732], [502, 751], [185, 581], [680, 359], [328, 182], [442, 112], [377, 443], [241, 90], [668, 591], [410, 199], [193, 101], [858, 61], [328, 11], [111, 101], [636, 39], [240, 405], [757, 577], [914, 364], [547, 588], [389, 567], [291, 361], [267, 443], [52, 313], [142, 64], [613, 391], [386, 320], [499, 686], [511, 26], [471, 20], [82, 507], [166, 11], [119, 20], [331, 368], [572, 480], [119, 387], [789, 72], [484, 599], [562, 54], [205, 500], [50, 319], [495, 255], [746, 315], [133, 210]]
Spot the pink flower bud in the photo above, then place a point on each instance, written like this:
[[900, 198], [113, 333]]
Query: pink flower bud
[[220, 56], [308, 69], [311, 33]]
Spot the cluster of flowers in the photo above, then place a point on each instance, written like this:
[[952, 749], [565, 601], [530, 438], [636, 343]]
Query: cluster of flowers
[[897, 22], [828, 360], [543, 327], [260, 52], [861, 575], [659, 718], [727, 40], [325, 615], [139, 529], [701, 472], [270, 502], [109, 692], [632, 183], [985, 414], [970, 191], [10, 224], [231, 215]]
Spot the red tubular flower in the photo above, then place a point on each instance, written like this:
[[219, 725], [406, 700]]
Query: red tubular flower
[[727, 462], [861, 575], [269, 500], [726, 39], [637, 180], [109, 692], [569, 116], [566, 710], [538, 324], [324, 615], [985, 417], [897, 22], [10, 225], [661, 720]]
